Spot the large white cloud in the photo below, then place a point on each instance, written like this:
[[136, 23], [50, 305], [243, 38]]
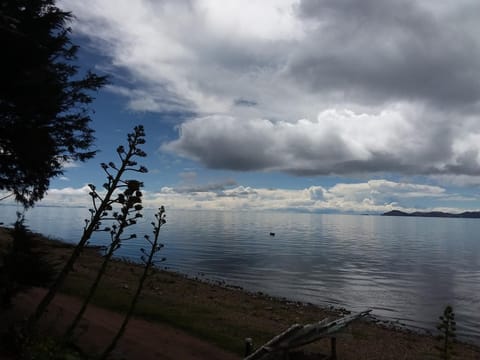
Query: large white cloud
[[337, 142], [307, 87]]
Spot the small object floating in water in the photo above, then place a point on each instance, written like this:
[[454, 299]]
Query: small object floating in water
[[272, 234]]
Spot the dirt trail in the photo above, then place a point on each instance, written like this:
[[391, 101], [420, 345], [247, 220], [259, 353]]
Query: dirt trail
[[142, 339]]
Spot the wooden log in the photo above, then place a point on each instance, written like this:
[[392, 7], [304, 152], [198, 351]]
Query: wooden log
[[298, 335], [313, 332], [272, 345]]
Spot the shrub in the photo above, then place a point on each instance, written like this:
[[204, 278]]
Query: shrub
[[447, 328], [23, 266]]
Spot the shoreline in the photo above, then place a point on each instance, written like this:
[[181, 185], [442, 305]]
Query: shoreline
[[225, 314], [338, 309]]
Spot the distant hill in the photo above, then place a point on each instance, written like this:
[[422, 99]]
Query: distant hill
[[466, 214]]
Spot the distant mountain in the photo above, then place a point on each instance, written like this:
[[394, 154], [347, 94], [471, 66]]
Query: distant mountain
[[466, 214]]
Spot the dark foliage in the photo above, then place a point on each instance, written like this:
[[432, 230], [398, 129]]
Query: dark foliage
[[447, 328], [44, 116], [23, 265]]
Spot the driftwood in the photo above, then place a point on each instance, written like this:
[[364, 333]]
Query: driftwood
[[300, 335]]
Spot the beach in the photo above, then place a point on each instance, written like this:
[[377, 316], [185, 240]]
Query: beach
[[216, 315]]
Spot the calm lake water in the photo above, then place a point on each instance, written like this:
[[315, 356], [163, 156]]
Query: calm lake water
[[405, 269]]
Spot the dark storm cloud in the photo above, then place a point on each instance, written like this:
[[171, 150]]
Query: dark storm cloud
[[245, 102], [386, 50], [240, 146]]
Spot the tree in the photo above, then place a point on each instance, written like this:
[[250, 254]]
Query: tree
[[447, 328], [44, 114]]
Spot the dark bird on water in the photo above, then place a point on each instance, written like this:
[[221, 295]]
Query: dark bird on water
[[272, 234]]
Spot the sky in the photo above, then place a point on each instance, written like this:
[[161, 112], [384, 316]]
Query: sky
[[298, 105]]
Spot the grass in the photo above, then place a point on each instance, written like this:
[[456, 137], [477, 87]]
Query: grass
[[201, 319]]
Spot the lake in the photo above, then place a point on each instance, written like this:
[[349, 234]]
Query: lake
[[406, 269]]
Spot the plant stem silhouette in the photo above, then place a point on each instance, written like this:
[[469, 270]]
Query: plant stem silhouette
[[131, 200], [148, 261], [101, 206]]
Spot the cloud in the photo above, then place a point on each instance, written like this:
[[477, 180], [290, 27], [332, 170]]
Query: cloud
[[302, 86], [383, 192], [189, 185], [239, 191], [70, 164], [383, 51], [337, 142], [194, 54], [457, 180], [67, 196], [153, 100], [210, 56], [244, 102], [211, 187], [374, 196]]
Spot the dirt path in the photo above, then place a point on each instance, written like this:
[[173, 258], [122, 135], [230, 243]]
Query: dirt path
[[142, 339]]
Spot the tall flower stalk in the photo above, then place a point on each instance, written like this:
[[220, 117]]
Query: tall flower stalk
[[131, 206], [102, 204], [148, 260]]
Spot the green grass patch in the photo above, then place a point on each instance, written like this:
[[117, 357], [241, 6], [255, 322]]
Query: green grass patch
[[204, 320]]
